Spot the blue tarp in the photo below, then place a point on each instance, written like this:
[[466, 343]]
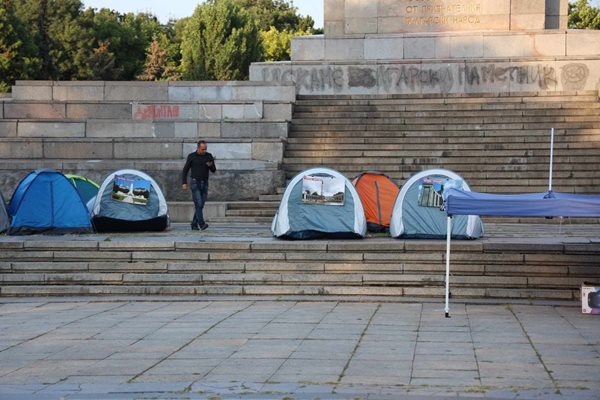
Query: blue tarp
[[548, 204]]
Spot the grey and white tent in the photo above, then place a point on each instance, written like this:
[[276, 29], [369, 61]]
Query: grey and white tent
[[320, 203], [129, 201], [4, 218], [418, 211]]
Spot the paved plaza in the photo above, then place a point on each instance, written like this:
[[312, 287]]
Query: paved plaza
[[295, 348]]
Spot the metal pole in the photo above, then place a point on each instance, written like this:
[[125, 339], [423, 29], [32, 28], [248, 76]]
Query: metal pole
[[448, 237], [551, 158]]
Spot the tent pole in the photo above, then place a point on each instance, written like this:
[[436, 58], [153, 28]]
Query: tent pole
[[551, 159], [448, 237]]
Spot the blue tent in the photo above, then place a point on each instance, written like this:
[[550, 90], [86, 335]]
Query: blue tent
[[45, 201], [87, 189], [4, 219], [320, 203], [548, 204]]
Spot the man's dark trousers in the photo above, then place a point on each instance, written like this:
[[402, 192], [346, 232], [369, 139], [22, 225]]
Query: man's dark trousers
[[199, 195]]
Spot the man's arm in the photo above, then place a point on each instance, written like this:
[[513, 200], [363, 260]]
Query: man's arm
[[186, 169], [211, 164]]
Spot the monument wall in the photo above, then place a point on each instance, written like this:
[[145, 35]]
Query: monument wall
[[352, 17], [380, 47], [95, 128]]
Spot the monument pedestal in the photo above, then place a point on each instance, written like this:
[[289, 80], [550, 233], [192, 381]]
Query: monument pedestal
[[388, 47]]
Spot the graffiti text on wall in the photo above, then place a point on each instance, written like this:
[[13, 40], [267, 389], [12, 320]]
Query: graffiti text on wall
[[412, 78]]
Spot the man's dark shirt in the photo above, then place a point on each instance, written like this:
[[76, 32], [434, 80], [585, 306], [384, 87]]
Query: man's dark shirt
[[197, 163]]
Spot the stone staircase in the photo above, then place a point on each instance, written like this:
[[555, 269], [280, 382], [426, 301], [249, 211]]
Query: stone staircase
[[498, 143], [518, 268]]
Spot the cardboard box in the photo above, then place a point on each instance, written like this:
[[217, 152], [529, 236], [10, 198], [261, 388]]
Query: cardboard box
[[590, 298]]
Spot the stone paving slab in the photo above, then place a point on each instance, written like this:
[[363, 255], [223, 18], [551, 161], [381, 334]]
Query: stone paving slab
[[295, 348]]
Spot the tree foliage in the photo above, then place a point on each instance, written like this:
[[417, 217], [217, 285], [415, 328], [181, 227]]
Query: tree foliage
[[583, 16], [219, 42], [60, 40]]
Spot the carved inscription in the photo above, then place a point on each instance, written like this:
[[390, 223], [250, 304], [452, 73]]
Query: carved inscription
[[416, 79], [442, 13]]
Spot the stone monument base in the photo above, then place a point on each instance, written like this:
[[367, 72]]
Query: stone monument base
[[440, 63]]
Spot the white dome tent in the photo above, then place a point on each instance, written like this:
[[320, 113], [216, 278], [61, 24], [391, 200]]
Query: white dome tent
[[418, 211], [310, 212]]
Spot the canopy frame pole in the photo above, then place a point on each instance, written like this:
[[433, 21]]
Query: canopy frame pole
[[551, 159], [448, 237]]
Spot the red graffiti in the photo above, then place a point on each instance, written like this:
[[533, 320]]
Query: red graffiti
[[156, 111]]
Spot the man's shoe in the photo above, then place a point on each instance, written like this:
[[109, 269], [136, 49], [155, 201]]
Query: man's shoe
[[194, 227], [203, 226]]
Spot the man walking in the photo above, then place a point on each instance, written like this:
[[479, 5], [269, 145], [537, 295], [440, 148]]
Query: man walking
[[200, 163]]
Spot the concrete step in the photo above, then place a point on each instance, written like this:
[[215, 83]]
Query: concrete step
[[178, 266]]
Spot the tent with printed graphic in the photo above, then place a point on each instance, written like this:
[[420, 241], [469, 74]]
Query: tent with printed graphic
[[378, 194], [46, 202], [418, 211], [319, 203], [129, 201], [4, 218], [87, 189]]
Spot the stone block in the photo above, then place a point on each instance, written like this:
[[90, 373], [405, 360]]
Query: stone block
[[583, 43], [360, 9], [164, 111], [8, 129], [74, 150], [333, 10], [21, 149], [344, 49], [382, 48], [527, 22], [142, 150], [279, 92], [528, 7], [34, 110], [254, 130], [214, 246], [98, 111], [119, 128], [29, 91], [272, 72], [334, 28], [242, 111], [277, 111], [130, 91], [361, 25], [199, 93], [550, 44], [175, 129], [508, 46], [442, 47], [267, 151], [232, 151], [51, 129], [210, 112], [308, 48], [418, 48], [390, 24], [209, 129], [89, 92], [470, 46]]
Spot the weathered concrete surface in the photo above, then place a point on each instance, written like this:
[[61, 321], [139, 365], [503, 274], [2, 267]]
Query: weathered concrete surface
[[277, 348]]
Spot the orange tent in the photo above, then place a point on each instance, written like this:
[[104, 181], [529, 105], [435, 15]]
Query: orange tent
[[378, 194]]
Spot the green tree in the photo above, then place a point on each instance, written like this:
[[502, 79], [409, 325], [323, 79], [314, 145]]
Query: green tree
[[62, 37], [129, 36], [277, 44], [583, 16], [17, 60], [220, 41], [102, 64], [158, 67], [278, 13]]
